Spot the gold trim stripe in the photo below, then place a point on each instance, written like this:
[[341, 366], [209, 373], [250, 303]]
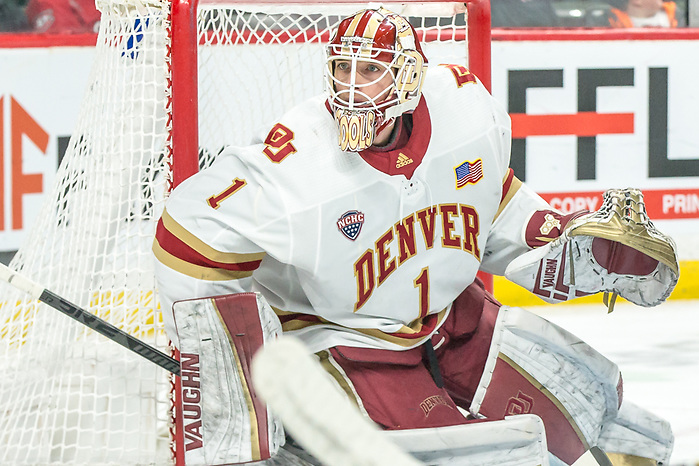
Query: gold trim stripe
[[625, 459], [204, 249], [504, 358], [371, 27], [196, 271], [254, 428], [281, 312], [405, 342], [514, 187], [340, 378]]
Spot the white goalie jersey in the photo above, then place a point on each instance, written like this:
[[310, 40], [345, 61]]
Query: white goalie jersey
[[377, 243]]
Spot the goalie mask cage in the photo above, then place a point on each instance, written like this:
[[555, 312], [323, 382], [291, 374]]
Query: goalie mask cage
[[152, 115]]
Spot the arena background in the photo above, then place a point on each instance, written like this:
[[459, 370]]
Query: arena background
[[583, 121], [591, 110]]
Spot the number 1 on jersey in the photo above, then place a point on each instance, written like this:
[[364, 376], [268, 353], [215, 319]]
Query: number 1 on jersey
[[215, 201], [422, 283]]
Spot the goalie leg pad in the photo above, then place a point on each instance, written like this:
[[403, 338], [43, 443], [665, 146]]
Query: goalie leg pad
[[316, 412], [637, 433], [516, 440], [224, 420], [536, 367]]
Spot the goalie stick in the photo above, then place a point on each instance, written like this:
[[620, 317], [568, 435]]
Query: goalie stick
[[88, 319], [316, 413]]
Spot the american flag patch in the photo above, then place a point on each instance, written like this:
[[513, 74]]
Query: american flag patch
[[468, 172]]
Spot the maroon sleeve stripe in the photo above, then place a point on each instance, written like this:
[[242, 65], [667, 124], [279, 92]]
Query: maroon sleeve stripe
[[178, 248], [510, 185], [507, 183]]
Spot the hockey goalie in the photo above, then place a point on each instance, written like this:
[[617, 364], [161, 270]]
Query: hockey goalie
[[357, 223]]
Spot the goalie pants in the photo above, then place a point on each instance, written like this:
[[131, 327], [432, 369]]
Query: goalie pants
[[494, 362], [397, 390]]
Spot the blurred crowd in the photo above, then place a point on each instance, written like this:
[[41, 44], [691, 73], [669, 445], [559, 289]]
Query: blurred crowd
[[589, 13], [81, 16], [49, 16]]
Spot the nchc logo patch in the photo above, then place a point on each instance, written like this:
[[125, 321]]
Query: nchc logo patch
[[468, 172], [350, 224]]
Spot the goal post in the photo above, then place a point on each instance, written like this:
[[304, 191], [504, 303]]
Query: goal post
[[172, 83], [472, 32]]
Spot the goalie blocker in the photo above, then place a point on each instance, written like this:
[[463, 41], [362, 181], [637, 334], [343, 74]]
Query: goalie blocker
[[616, 250]]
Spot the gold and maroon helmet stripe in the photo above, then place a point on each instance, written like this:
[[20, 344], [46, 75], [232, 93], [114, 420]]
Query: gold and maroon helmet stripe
[[510, 186], [358, 24], [352, 27], [365, 25]]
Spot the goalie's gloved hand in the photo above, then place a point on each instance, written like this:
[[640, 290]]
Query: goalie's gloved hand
[[615, 250]]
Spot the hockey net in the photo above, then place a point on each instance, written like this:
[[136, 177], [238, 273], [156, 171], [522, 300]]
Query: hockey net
[[69, 395]]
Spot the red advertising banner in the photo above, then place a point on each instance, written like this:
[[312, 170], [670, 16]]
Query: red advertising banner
[[663, 204]]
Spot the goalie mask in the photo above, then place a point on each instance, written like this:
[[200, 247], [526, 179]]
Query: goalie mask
[[374, 73]]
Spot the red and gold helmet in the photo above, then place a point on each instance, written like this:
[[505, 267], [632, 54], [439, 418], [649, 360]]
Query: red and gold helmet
[[385, 43]]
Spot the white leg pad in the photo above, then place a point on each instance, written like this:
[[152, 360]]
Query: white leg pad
[[224, 420], [517, 440], [543, 369], [583, 380]]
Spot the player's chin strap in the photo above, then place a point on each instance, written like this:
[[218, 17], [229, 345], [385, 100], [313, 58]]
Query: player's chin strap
[[397, 110], [616, 250]]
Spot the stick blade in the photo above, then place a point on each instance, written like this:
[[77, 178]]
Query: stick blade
[[316, 413]]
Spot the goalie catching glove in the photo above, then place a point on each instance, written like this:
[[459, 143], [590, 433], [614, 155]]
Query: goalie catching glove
[[616, 250]]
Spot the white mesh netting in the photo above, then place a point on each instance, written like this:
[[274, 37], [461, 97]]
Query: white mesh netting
[[70, 396]]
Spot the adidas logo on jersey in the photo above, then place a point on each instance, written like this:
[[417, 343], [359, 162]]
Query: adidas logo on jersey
[[403, 160]]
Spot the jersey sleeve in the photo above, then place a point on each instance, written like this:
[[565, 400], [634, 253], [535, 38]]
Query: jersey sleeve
[[524, 221], [507, 239], [503, 140], [460, 93], [205, 239]]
